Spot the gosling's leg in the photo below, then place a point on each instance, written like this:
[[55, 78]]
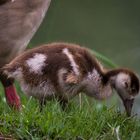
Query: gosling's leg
[[42, 103], [63, 104]]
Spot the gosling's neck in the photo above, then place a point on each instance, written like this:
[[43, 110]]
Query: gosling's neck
[[100, 83], [95, 85]]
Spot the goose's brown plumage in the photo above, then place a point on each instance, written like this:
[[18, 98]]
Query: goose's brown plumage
[[62, 70], [19, 20]]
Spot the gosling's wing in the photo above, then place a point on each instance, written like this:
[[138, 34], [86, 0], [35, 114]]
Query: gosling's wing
[[71, 79]]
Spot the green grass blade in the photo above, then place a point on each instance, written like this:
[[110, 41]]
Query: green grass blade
[[104, 59]]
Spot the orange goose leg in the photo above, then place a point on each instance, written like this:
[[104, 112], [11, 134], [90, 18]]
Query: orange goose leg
[[12, 97]]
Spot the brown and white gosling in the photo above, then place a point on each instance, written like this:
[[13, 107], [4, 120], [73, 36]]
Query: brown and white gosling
[[62, 71]]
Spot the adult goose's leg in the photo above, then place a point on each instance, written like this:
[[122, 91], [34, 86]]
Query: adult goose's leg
[[12, 97]]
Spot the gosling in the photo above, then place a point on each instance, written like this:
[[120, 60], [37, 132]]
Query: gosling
[[62, 71]]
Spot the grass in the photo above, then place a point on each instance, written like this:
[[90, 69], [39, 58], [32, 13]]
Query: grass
[[90, 121]]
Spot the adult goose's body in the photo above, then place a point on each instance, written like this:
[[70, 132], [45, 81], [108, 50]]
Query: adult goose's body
[[62, 71], [19, 20]]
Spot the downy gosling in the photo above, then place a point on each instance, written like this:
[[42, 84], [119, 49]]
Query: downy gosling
[[62, 71]]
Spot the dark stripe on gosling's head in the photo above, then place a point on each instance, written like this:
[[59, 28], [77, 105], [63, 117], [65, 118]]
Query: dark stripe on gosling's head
[[135, 84]]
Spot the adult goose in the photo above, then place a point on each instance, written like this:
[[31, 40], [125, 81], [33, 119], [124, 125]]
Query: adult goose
[[19, 20]]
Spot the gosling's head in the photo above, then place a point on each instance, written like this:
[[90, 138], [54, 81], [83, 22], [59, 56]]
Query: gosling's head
[[126, 83]]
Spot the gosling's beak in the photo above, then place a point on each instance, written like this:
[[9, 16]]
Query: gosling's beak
[[128, 104]]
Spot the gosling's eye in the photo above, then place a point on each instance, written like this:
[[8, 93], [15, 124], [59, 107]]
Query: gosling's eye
[[126, 84]]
